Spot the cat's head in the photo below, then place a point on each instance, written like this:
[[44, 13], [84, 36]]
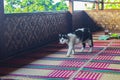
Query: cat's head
[[63, 38]]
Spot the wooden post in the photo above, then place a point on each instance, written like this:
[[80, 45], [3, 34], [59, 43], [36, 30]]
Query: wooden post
[[1, 7], [71, 6], [102, 3], [1, 24], [97, 5], [1, 13], [1, 10]]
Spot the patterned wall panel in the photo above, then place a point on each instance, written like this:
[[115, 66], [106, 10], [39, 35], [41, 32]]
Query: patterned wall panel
[[107, 19], [25, 31], [82, 19]]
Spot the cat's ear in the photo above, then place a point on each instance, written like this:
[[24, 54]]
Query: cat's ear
[[59, 35], [66, 36]]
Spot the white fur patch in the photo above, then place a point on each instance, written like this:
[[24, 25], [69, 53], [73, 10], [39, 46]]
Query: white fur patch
[[63, 41], [81, 29]]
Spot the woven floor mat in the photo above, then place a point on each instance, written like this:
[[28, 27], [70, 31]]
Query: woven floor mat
[[51, 63]]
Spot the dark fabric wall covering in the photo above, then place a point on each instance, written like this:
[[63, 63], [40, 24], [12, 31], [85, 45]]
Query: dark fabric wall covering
[[26, 31], [82, 19], [1, 23]]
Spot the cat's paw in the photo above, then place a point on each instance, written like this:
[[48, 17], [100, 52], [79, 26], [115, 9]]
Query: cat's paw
[[82, 50], [90, 50], [73, 52], [67, 55]]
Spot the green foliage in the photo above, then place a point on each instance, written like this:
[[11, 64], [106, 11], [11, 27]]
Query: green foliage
[[112, 6], [31, 6], [23, 6], [111, 0]]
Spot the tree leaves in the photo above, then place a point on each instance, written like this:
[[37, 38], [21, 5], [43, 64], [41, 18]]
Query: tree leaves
[[112, 6], [24, 6]]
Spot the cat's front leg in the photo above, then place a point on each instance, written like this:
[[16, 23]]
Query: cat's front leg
[[70, 48], [91, 49], [82, 49], [73, 50]]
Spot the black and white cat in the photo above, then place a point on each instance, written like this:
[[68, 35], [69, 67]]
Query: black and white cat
[[81, 35]]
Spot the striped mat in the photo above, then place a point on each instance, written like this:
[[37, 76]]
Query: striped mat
[[51, 63]]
